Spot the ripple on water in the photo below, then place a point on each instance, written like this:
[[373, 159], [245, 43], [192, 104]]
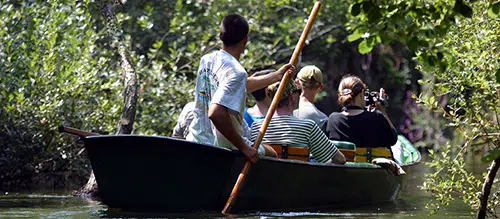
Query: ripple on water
[[48, 206], [317, 214]]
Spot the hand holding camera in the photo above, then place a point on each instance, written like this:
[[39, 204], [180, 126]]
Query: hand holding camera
[[376, 100]]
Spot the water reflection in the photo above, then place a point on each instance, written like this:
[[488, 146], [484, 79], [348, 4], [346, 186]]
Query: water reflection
[[411, 204], [49, 206]]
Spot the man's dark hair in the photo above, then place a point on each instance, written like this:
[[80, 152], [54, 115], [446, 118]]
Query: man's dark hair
[[260, 94], [233, 29]]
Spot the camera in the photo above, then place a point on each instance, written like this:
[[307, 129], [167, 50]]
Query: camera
[[370, 98]]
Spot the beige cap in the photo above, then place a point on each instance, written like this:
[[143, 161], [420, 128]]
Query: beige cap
[[310, 73]]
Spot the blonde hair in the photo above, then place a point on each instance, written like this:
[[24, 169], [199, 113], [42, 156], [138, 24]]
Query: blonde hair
[[349, 88]]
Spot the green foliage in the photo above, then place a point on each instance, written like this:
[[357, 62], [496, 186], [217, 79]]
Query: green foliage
[[418, 24], [494, 10], [52, 73], [467, 76], [457, 43], [458, 49], [469, 80], [449, 180], [492, 155]]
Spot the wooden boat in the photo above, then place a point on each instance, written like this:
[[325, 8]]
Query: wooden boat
[[161, 174]]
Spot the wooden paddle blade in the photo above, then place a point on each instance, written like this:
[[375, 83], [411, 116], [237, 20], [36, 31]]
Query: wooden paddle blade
[[236, 188]]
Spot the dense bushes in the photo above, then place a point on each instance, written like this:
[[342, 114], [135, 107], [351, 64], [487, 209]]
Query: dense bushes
[[457, 45], [52, 73]]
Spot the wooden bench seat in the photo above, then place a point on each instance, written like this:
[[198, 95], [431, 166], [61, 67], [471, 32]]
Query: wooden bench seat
[[291, 152], [368, 154], [350, 151]]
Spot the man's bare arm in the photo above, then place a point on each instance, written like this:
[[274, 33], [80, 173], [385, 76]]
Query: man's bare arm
[[257, 82], [220, 117]]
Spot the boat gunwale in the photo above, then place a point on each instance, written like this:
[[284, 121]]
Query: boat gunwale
[[279, 160]]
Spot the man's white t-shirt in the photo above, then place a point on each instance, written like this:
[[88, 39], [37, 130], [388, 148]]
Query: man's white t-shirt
[[221, 80]]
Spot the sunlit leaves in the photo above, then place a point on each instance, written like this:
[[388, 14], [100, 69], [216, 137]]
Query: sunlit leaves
[[492, 155], [469, 82], [364, 47], [56, 75], [418, 24], [450, 180], [457, 44], [355, 35]]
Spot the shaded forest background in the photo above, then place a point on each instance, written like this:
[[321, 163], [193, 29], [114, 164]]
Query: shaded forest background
[[57, 67]]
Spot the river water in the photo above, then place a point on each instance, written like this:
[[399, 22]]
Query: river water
[[411, 204]]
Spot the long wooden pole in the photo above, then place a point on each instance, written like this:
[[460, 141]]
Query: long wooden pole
[[272, 108], [77, 132]]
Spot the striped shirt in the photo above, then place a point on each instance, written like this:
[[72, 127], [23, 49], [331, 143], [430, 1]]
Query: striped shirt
[[290, 130]]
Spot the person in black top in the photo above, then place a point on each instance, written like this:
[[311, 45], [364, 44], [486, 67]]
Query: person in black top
[[364, 128]]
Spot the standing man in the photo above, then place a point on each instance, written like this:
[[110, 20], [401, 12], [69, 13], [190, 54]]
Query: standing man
[[221, 87], [311, 80]]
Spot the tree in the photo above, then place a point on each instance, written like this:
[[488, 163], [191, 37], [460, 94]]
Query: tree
[[458, 49], [126, 123], [472, 80]]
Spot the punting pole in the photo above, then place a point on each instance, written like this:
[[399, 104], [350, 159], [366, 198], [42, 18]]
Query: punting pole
[[77, 132], [272, 108]]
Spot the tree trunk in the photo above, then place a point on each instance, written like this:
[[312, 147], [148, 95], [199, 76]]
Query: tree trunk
[[485, 193], [89, 189], [126, 123], [129, 94]]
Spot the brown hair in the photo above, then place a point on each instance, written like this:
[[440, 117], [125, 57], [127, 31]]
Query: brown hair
[[290, 88], [260, 94], [349, 88]]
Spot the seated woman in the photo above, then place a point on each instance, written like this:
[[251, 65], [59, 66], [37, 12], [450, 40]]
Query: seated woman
[[365, 128], [259, 110]]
